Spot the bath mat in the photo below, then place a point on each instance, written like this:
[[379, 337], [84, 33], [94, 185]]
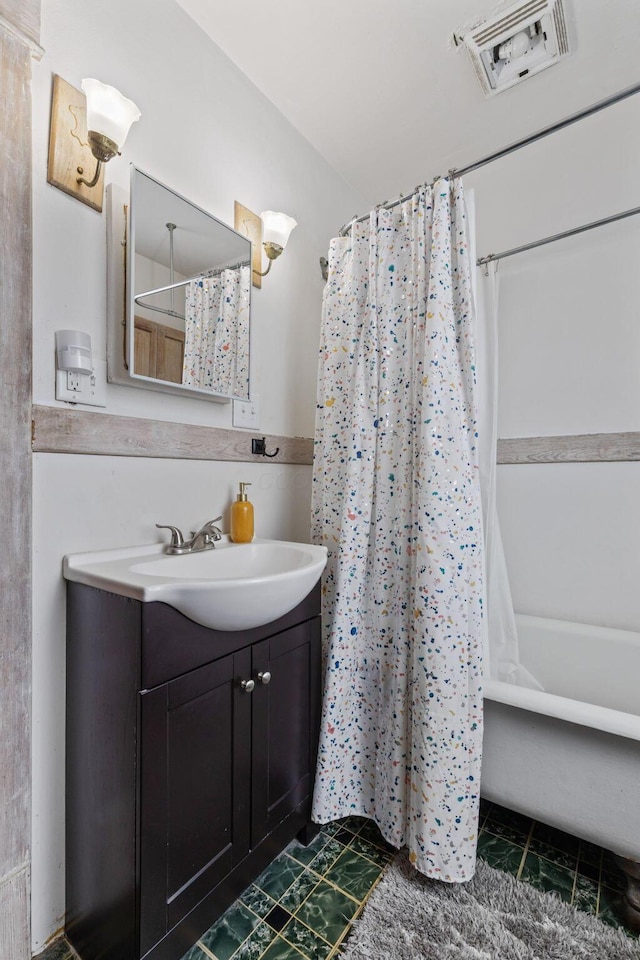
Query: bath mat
[[493, 917]]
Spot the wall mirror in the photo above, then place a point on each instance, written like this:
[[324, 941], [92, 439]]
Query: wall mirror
[[188, 298]]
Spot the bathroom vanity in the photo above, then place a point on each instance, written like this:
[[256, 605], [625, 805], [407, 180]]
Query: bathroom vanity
[[190, 759]]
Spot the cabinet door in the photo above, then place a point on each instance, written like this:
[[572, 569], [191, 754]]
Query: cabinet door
[[284, 724], [170, 354], [144, 347], [194, 789], [158, 350]]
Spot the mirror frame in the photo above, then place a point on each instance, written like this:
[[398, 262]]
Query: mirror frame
[[120, 296]]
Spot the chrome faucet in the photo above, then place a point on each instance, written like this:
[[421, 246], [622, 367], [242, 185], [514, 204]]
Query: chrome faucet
[[204, 539]]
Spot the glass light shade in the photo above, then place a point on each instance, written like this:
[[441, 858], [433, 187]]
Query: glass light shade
[[276, 227], [108, 112]]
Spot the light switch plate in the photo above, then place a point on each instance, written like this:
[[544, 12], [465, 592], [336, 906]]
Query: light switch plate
[[89, 389], [246, 413]]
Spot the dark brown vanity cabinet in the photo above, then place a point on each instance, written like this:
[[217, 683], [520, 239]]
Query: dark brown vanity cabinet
[[190, 758]]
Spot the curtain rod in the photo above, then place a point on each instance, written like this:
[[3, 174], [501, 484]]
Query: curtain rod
[[544, 132], [552, 128], [205, 275], [558, 236]]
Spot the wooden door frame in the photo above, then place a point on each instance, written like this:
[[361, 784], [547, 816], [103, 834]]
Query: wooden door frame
[[19, 43]]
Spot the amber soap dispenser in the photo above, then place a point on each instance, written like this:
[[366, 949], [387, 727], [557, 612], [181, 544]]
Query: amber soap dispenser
[[242, 517]]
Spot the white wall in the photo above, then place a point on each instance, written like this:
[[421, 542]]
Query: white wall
[[569, 341], [571, 533], [209, 134]]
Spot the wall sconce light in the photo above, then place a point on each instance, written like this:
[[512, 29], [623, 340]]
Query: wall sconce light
[[109, 119], [272, 228], [86, 127], [276, 228]]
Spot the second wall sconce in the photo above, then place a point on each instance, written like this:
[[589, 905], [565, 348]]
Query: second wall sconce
[[269, 232], [276, 229], [88, 128]]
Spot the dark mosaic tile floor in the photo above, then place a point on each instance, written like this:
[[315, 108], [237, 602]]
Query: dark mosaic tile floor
[[303, 905], [583, 874]]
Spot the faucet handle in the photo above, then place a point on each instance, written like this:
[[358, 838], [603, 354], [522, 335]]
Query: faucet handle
[[176, 535], [210, 525], [209, 531]]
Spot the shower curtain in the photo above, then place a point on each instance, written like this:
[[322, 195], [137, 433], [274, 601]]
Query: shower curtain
[[396, 499], [501, 652], [216, 345]]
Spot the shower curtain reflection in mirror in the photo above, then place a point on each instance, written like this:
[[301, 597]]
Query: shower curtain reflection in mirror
[[216, 348]]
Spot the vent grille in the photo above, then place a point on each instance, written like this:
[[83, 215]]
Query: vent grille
[[539, 30], [511, 23], [561, 29]]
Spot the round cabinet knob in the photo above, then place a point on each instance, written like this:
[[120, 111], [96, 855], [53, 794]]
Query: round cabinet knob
[[264, 677], [248, 685]]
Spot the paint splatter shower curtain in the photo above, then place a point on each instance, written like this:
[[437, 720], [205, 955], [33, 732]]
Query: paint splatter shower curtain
[[216, 344], [396, 499]]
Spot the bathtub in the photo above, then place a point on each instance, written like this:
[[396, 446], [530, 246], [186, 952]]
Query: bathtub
[[570, 756]]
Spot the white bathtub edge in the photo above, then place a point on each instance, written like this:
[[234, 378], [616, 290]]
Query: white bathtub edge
[[587, 714]]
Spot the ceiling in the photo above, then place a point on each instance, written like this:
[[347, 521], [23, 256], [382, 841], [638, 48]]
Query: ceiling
[[381, 91]]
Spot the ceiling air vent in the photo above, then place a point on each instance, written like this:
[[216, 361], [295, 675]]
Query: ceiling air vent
[[517, 43]]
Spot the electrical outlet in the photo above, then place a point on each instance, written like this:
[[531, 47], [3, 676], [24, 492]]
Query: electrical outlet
[[246, 413], [87, 388], [74, 382]]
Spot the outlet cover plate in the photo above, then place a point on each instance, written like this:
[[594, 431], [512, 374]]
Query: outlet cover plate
[[83, 388]]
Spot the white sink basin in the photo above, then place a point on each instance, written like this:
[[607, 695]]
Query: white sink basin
[[234, 586]]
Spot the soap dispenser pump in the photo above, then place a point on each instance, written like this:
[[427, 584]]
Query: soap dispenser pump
[[242, 517]]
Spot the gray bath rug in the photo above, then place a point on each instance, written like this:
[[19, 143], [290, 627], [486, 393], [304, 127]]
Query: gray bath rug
[[493, 917]]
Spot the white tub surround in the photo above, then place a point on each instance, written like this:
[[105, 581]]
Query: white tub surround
[[570, 756]]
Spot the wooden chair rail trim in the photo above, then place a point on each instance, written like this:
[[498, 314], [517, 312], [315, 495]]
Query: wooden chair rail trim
[[581, 448], [59, 430]]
